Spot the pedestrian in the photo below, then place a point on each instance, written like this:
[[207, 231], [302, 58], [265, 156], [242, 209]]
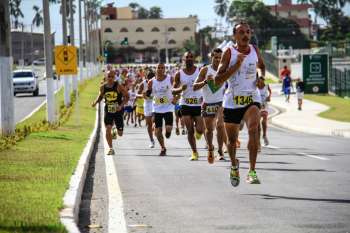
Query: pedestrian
[[238, 67], [286, 86], [300, 92]]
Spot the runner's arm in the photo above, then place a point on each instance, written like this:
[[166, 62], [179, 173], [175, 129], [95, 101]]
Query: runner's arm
[[99, 97], [140, 91], [176, 86], [200, 80], [149, 88], [261, 63], [125, 95], [270, 92], [225, 72]]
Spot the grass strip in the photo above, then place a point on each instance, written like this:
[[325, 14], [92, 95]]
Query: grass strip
[[35, 173], [339, 107]]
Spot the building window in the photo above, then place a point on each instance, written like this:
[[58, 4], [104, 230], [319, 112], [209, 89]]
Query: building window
[[140, 42], [124, 30], [155, 29], [171, 29], [289, 13], [172, 42], [155, 42], [186, 29], [108, 30], [139, 29]]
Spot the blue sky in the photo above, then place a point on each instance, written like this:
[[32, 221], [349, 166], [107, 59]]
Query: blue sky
[[175, 8]]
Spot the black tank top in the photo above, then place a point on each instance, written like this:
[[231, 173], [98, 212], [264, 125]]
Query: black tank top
[[113, 98]]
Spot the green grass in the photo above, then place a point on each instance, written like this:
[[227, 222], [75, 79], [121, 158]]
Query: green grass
[[35, 173], [339, 107]]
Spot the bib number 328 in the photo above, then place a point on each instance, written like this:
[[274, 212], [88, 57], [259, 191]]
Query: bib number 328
[[243, 100]]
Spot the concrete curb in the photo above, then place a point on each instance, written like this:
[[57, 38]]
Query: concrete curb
[[72, 198], [281, 124]]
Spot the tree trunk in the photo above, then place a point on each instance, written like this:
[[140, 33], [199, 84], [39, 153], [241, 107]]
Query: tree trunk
[[50, 93], [67, 100], [7, 124], [80, 44], [72, 42]]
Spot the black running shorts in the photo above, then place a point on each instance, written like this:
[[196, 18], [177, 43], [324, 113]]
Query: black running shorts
[[192, 111], [116, 118], [158, 119], [236, 115]]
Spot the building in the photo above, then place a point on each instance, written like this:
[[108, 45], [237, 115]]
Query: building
[[143, 40], [28, 46], [296, 12]]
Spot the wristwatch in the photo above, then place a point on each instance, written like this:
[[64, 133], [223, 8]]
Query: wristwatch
[[206, 81]]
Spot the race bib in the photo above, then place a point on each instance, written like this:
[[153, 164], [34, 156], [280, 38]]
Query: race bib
[[212, 108], [161, 100], [192, 101], [243, 100], [112, 108]]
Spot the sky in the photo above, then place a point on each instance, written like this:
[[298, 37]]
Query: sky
[[204, 9]]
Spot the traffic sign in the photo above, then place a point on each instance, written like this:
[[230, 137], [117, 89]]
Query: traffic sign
[[315, 73], [66, 59]]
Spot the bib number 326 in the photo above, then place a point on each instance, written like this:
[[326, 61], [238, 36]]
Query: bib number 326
[[191, 101], [242, 100]]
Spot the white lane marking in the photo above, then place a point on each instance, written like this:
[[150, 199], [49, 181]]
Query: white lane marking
[[271, 147], [313, 156], [116, 218]]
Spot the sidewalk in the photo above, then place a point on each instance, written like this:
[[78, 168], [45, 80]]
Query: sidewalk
[[307, 120]]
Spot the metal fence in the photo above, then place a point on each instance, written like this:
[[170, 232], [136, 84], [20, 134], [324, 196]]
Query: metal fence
[[339, 82]]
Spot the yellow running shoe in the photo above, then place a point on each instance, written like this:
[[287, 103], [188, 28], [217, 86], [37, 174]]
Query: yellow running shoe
[[194, 156], [198, 135]]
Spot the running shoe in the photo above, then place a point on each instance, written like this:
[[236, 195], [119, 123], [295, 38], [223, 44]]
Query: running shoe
[[266, 141], [198, 135], [162, 152], [194, 156], [151, 145], [210, 157], [177, 131], [252, 178], [110, 151], [221, 156], [234, 174], [183, 132]]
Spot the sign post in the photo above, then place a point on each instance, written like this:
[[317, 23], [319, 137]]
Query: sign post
[[315, 73]]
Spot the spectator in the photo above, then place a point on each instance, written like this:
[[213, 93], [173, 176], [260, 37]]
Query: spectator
[[286, 87], [284, 73], [300, 92]]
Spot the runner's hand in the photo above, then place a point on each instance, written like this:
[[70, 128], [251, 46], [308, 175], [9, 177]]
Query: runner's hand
[[210, 78], [184, 87]]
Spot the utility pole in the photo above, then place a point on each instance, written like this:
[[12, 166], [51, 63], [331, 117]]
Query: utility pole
[[87, 41], [80, 45], [72, 42], [7, 125], [50, 94], [67, 100], [166, 37]]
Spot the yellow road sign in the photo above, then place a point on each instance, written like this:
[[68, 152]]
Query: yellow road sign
[[66, 59]]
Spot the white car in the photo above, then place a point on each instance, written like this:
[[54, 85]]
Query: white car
[[39, 62], [25, 81]]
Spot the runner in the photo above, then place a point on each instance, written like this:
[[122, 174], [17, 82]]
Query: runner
[[265, 93], [190, 102], [212, 110], [238, 67], [147, 105], [163, 108], [116, 96], [129, 108]]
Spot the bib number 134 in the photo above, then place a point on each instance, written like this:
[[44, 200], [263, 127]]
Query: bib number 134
[[243, 100]]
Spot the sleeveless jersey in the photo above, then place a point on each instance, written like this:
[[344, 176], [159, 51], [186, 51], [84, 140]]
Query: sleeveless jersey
[[264, 93], [162, 95], [211, 92], [190, 97], [241, 90], [112, 97]]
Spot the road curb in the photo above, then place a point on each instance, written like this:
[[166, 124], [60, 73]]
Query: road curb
[[71, 201]]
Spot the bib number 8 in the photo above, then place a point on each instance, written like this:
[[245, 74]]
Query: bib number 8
[[162, 100], [243, 100]]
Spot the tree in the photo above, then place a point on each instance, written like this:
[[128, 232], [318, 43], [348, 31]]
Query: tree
[[190, 45], [143, 13], [15, 11], [155, 12], [134, 5], [221, 7], [37, 19]]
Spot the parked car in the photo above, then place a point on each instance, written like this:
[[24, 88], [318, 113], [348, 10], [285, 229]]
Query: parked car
[[39, 62], [25, 81]]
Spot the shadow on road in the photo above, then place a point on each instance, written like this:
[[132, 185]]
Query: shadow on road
[[271, 197]]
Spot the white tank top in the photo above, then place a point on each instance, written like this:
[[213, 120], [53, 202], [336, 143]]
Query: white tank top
[[132, 97], [190, 97], [162, 95], [212, 93], [242, 90], [264, 93]]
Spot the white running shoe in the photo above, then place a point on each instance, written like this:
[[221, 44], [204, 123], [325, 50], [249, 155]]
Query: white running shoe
[[151, 145]]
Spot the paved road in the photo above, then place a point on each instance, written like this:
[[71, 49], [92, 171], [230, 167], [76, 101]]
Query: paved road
[[305, 187]]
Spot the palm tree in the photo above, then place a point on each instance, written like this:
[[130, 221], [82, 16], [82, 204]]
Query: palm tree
[[134, 5], [15, 11], [38, 18], [221, 7]]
